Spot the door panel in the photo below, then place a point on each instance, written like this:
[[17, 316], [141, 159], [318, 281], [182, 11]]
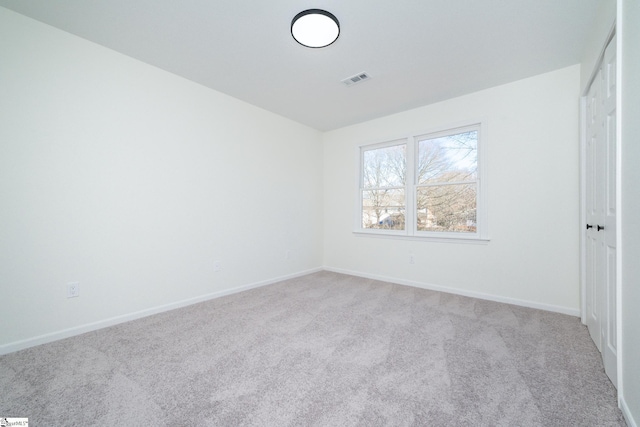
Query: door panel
[[593, 248], [593, 310]]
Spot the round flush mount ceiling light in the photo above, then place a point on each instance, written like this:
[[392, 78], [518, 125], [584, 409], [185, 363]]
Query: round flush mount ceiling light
[[315, 28]]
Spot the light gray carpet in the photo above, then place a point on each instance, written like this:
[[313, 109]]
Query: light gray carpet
[[324, 350]]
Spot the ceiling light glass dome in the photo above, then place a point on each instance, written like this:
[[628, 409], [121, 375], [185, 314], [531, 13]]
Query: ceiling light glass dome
[[315, 28]]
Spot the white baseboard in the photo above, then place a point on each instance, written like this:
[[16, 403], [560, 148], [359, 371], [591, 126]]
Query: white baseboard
[[523, 303], [81, 329], [631, 422]]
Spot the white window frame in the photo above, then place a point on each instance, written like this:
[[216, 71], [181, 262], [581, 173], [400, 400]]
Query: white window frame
[[411, 231]]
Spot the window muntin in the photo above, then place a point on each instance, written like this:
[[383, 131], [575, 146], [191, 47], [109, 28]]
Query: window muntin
[[426, 186], [383, 187]]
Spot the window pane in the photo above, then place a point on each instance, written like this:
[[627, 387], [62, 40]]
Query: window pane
[[383, 209], [451, 158], [450, 208], [384, 167]]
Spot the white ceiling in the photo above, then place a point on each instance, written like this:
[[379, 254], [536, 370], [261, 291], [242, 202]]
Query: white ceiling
[[417, 51]]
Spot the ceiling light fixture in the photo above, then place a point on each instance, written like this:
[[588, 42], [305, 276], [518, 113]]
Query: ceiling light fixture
[[315, 28]]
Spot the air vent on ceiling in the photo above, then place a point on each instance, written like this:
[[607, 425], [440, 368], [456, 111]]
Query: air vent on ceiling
[[358, 78]]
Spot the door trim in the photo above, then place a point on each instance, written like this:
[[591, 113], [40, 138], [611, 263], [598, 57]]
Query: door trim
[[620, 248]]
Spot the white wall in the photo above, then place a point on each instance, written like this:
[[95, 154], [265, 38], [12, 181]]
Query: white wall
[[132, 181], [630, 132], [594, 44], [532, 257]]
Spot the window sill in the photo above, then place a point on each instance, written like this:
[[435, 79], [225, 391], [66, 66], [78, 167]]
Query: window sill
[[391, 235]]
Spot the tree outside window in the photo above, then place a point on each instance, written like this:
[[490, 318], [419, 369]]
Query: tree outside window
[[446, 183], [384, 186]]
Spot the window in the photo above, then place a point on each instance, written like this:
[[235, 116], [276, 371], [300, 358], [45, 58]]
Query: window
[[423, 186], [384, 187]]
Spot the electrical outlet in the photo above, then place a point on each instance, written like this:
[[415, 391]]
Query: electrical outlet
[[412, 259], [217, 266], [287, 254], [73, 289]]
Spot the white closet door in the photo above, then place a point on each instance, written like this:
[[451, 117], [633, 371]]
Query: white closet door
[[601, 213]]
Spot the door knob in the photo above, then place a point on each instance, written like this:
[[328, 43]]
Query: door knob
[[589, 226], [600, 227]]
